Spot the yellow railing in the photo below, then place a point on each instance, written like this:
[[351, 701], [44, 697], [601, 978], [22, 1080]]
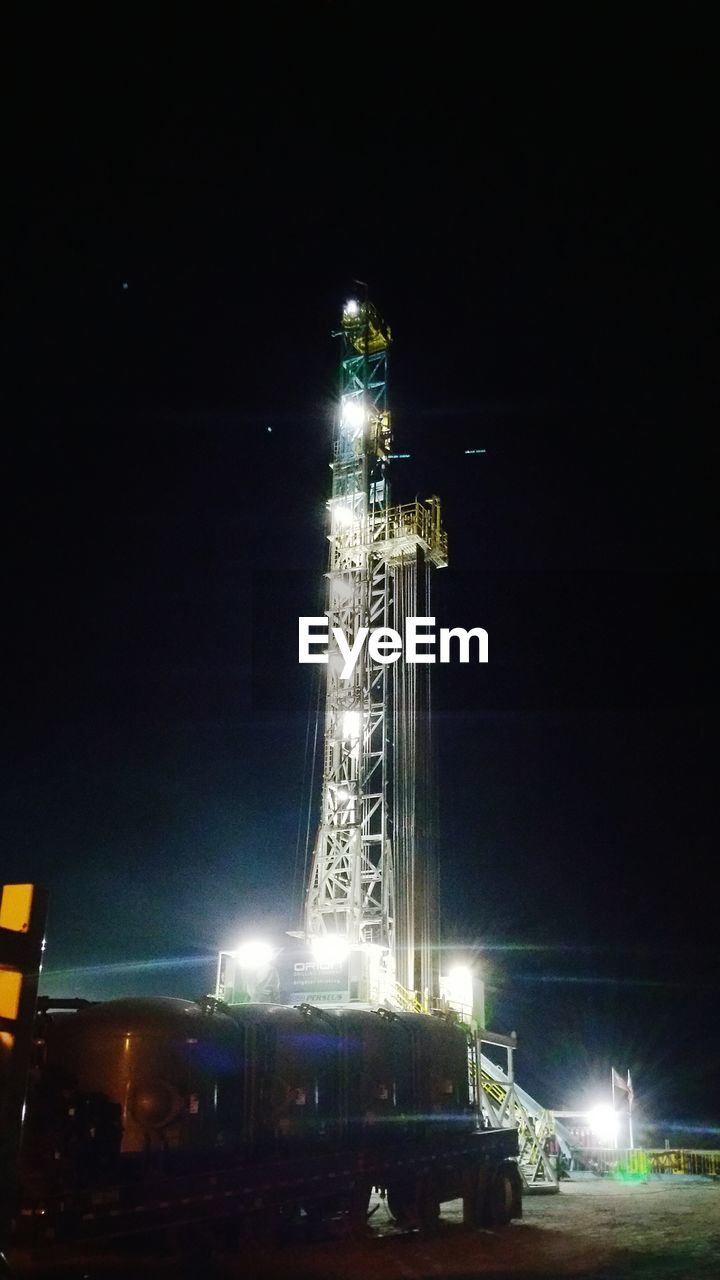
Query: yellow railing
[[640, 1163], [492, 1087], [414, 522], [408, 999]]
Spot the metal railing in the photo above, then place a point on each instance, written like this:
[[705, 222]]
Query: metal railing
[[400, 529], [503, 1105], [408, 1000], [639, 1163], [416, 519]]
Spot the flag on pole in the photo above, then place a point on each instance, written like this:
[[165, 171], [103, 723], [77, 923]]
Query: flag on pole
[[625, 1086], [619, 1083], [630, 1096]]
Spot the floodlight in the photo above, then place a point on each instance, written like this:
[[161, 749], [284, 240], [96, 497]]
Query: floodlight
[[330, 948], [254, 955], [603, 1122], [343, 514], [458, 987], [353, 414], [352, 308], [351, 725]]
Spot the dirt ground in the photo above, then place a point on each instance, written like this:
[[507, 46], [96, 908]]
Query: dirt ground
[[600, 1230]]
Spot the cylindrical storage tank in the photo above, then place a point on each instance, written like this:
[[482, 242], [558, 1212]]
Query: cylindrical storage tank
[[375, 1076], [293, 1056], [175, 1071], [440, 1073]]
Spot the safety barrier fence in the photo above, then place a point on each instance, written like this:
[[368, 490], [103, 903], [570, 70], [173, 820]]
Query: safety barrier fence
[[640, 1163]]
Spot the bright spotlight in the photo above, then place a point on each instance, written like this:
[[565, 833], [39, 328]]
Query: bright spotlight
[[351, 725], [343, 514], [254, 955], [603, 1122], [457, 988], [352, 308], [330, 948], [353, 415]]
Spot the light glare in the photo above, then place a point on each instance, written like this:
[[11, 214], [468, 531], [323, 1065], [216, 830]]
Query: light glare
[[254, 955], [330, 948], [604, 1124], [343, 514], [458, 988], [353, 415], [351, 725]]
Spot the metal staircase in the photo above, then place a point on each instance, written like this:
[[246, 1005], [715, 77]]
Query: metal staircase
[[505, 1105]]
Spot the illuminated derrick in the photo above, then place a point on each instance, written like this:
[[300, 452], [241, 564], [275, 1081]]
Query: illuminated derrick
[[371, 912], [372, 879], [371, 901]]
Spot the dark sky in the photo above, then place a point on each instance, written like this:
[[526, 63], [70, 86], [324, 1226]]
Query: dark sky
[[533, 210]]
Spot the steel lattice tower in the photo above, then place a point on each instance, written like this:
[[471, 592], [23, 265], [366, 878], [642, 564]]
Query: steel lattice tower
[[371, 880]]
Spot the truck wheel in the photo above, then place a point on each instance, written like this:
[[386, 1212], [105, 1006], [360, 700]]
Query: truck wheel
[[313, 1222], [268, 1226], [428, 1207], [358, 1210], [502, 1198], [401, 1203], [474, 1196]]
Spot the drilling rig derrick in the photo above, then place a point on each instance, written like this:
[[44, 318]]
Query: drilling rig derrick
[[372, 885]]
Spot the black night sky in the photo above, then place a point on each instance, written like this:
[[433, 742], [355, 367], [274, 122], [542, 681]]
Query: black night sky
[[533, 212]]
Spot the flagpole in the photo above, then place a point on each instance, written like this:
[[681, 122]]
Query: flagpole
[[612, 1088], [630, 1106]]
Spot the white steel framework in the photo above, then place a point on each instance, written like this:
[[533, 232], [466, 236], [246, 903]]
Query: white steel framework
[[370, 881]]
